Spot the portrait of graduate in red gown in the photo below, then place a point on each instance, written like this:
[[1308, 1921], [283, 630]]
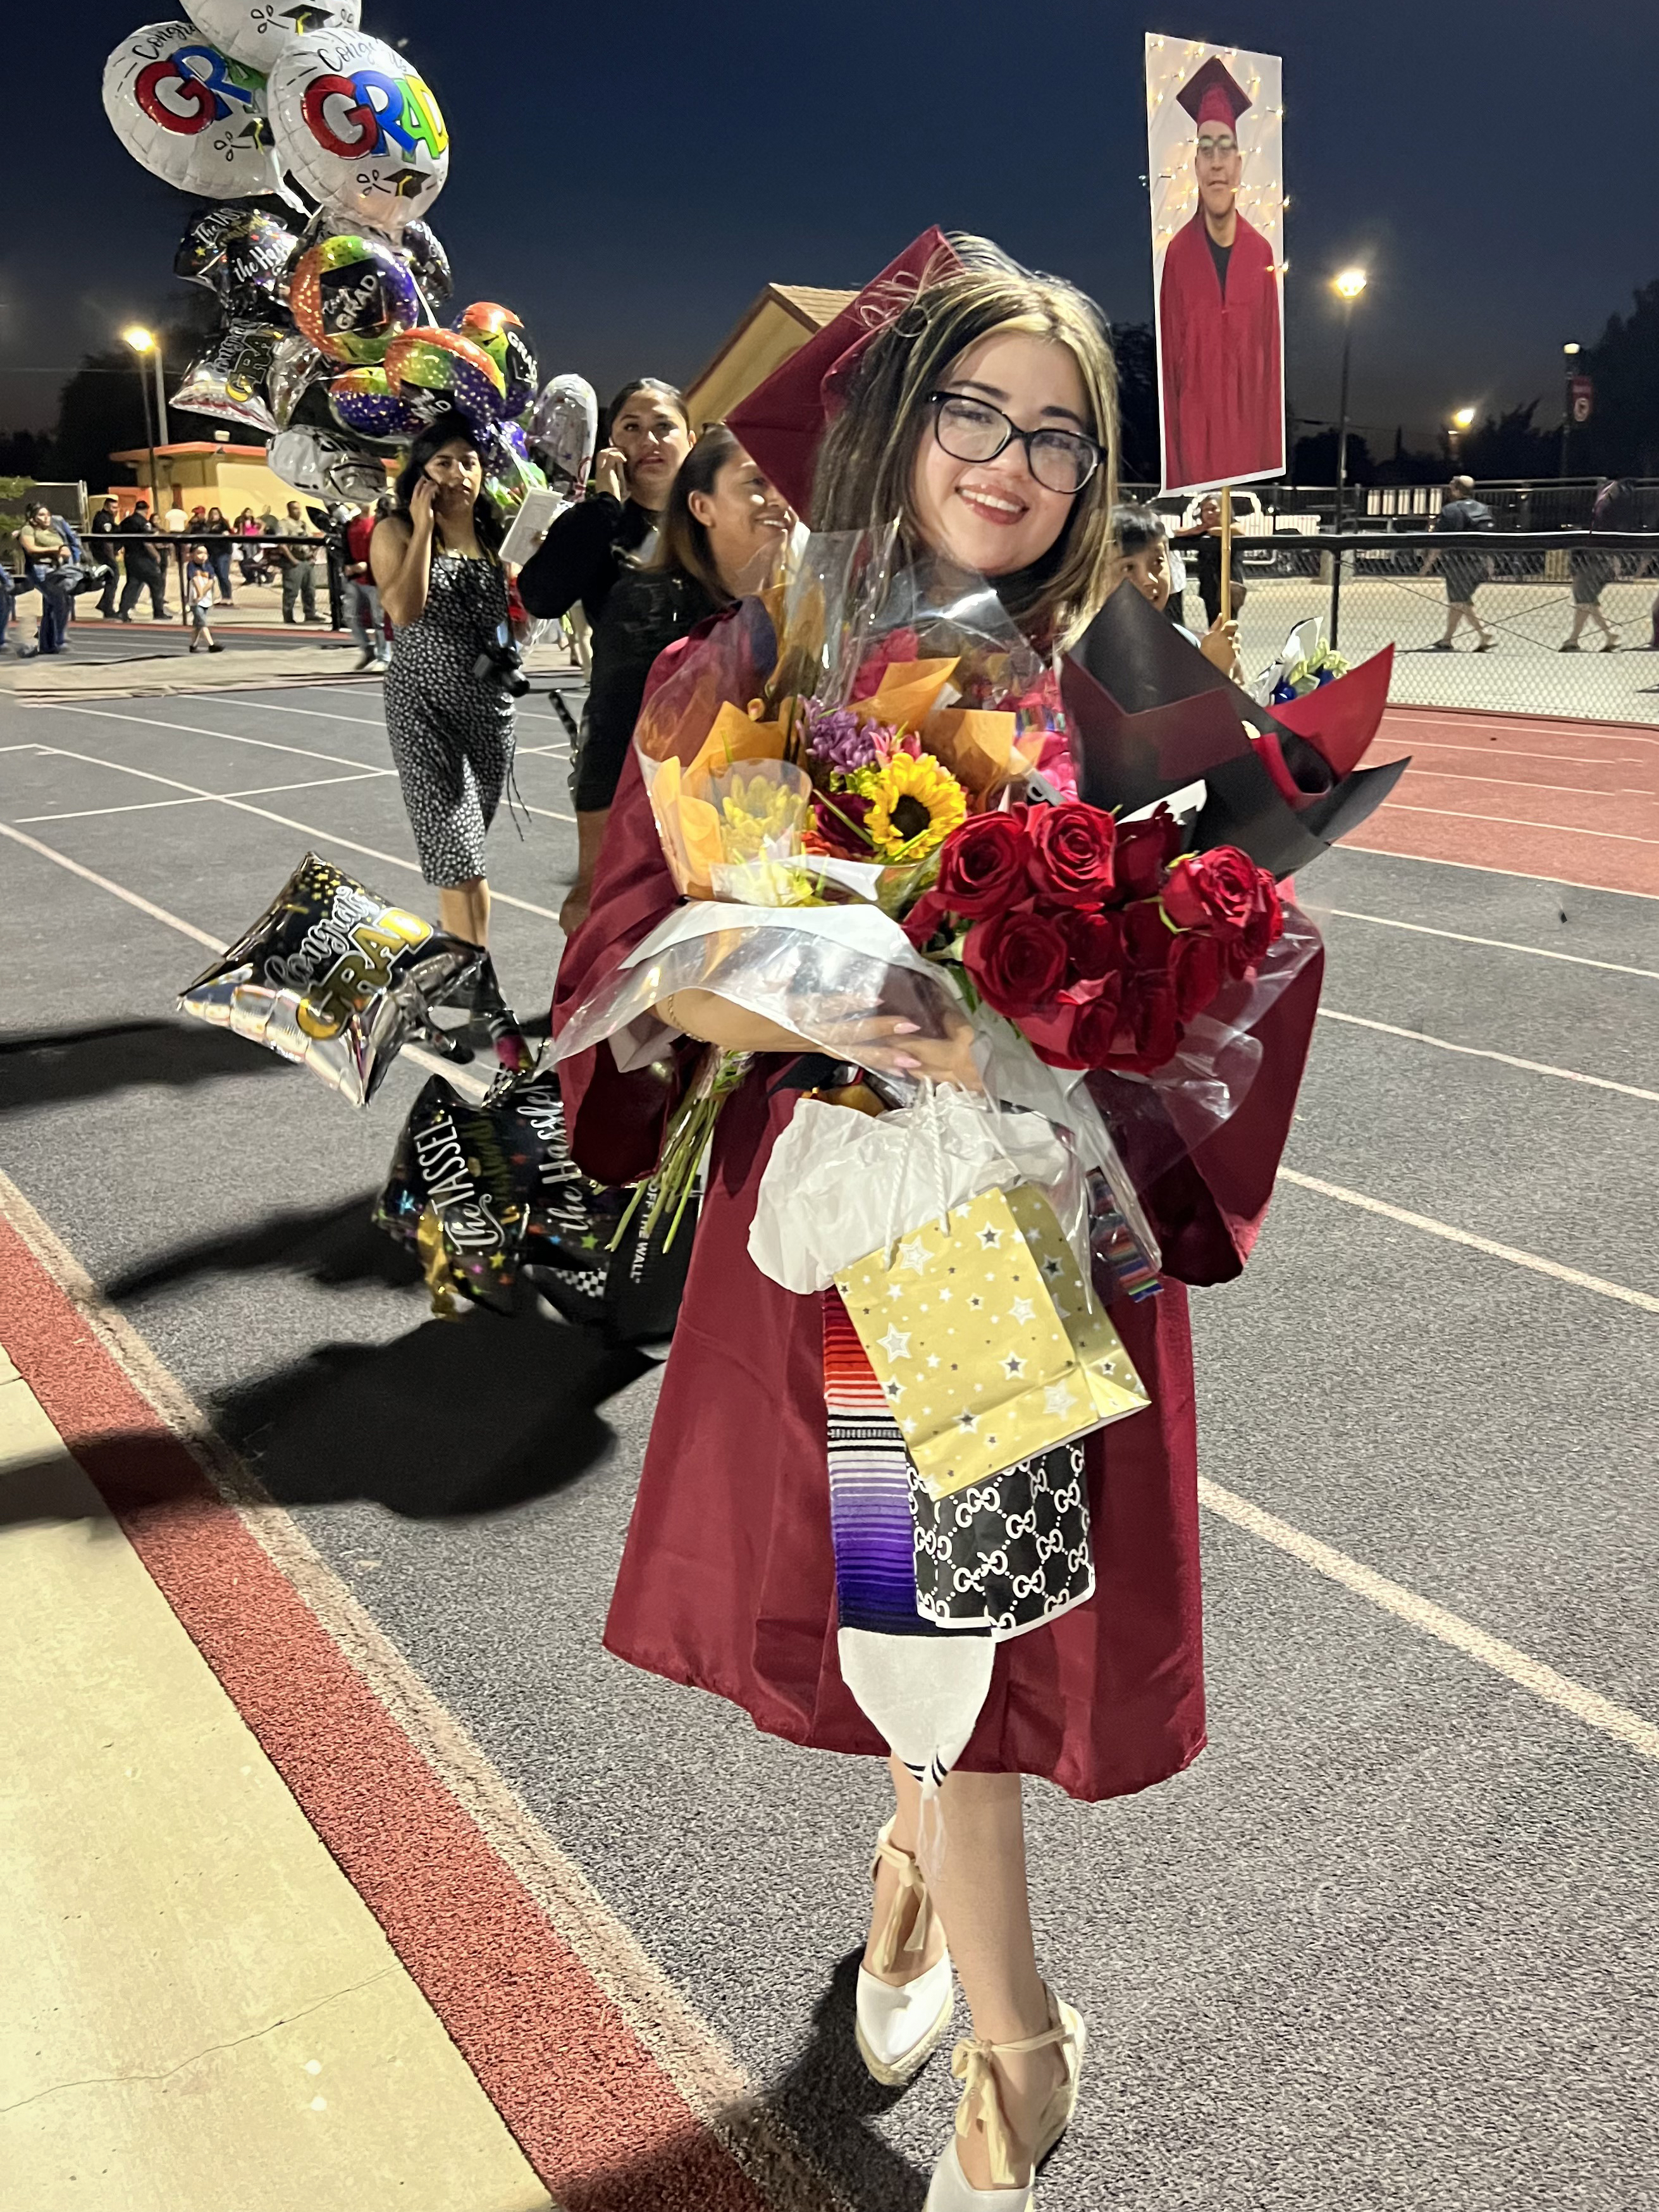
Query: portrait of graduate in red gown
[[1219, 312]]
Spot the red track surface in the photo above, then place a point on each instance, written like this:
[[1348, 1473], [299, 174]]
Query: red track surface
[[1534, 796], [591, 2108]]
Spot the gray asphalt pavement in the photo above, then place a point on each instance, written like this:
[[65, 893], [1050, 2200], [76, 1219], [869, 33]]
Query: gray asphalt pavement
[[1394, 1941]]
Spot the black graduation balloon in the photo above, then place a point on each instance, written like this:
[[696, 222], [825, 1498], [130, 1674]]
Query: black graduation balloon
[[429, 261], [332, 976], [240, 253]]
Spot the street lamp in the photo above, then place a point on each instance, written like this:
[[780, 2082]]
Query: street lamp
[[1461, 420], [145, 342], [1348, 284], [1570, 353]]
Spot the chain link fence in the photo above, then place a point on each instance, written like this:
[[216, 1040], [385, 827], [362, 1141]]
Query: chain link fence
[[1572, 617]]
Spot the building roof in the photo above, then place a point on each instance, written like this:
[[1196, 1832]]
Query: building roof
[[194, 446], [811, 305]]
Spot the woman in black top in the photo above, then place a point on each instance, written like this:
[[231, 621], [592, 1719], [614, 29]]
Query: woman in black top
[[721, 534], [215, 536], [584, 552]]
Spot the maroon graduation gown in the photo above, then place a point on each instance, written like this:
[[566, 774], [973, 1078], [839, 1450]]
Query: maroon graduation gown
[[727, 1578], [1223, 411]]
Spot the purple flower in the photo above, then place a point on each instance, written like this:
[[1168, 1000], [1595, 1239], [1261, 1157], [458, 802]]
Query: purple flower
[[841, 742]]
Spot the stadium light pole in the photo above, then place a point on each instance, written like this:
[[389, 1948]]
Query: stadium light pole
[[1348, 284], [145, 346], [1463, 419]]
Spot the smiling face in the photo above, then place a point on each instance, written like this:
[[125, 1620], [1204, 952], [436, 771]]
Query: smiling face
[[1148, 570], [994, 516], [746, 517], [650, 434]]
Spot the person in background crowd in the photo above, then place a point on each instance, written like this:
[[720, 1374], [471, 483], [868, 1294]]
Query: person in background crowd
[[175, 521], [144, 571], [104, 527], [269, 523], [246, 526], [1141, 538], [200, 582], [8, 601], [582, 555], [436, 561], [47, 560], [298, 566], [1593, 570], [1465, 573], [1203, 538], [721, 532], [217, 537], [362, 599]]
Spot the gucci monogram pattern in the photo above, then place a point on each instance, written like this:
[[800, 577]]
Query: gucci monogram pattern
[[1006, 1554]]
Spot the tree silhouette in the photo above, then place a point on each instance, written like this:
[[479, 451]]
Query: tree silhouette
[[1622, 436]]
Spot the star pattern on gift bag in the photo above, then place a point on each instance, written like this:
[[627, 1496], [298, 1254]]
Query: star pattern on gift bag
[[896, 1342]]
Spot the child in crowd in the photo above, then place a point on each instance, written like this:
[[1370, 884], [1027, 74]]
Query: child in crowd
[[1142, 538], [200, 588]]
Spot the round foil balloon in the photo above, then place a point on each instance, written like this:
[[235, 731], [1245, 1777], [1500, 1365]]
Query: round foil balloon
[[501, 335], [351, 296], [256, 31], [191, 115], [433, 370], [363, 402], [239, 252], [429, 261], [509, 472], [358, 129], [564, 429], [322, 463]]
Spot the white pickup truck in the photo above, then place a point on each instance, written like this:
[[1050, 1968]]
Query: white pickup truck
[[1252, 519]]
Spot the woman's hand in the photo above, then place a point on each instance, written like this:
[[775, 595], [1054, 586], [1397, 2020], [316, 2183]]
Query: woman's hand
[[611, 473], [422, 502], [888, 1045]]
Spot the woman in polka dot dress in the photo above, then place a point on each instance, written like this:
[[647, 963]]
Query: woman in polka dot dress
[[436, 560]]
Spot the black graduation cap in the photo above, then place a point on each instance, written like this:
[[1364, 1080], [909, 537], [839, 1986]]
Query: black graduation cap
[[1152, 714], [1214, 94]]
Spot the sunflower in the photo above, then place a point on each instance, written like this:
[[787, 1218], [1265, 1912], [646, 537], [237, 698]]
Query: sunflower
[[916, 805]]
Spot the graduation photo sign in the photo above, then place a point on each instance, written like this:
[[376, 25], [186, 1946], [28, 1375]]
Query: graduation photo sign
[[1215, 173]]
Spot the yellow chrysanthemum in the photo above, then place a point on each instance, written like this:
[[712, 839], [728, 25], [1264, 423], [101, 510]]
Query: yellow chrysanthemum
[[756, 815], [917, 803]]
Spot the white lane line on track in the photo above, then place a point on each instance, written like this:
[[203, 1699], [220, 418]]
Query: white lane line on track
[[1496, 944], [315, 714], [1486, 868], [306, 829], [1479, 1052], [1643, 1299], [1624, 734], [1514, 822], [192, 730], [1525, 783], [471, 1085], [1421, 1612], [1519, 752], [148, 805]]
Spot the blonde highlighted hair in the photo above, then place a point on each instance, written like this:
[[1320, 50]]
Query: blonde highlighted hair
[[866, 465]]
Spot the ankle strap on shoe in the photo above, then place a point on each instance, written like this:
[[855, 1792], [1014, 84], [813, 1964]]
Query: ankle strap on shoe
[[888, 1948], [981, 2095]]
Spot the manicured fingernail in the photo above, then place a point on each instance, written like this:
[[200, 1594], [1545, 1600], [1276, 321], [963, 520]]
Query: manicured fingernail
[[903, 1059], [907, 1029]]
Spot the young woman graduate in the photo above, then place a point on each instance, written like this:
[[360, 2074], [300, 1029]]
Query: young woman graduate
[[983, 418]]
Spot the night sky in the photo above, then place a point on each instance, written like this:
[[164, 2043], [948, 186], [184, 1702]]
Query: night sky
[[628, 178]]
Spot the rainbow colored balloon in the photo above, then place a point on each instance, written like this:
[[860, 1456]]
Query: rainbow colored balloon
[[501, 335], [362, 401], [428, 365], [351, 296]]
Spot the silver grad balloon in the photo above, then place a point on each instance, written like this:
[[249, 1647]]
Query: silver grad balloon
[[229, 383], [334, 978], [322, 464], [191, 115], [256, 31], [358, 129], [564, 429], [295, 366]]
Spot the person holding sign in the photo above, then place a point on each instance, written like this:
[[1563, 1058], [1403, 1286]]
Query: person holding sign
[[1219, 312]]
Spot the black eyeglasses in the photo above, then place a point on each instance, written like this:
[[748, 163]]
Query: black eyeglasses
[[973, 430]]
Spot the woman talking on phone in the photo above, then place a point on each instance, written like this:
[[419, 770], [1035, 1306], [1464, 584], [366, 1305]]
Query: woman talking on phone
[[448, 711]]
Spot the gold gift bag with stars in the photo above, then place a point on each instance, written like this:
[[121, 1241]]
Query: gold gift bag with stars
[[981, 1337]]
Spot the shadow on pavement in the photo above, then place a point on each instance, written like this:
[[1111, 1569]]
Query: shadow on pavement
[[466, 1416], [332, 1245], [825, 2100], [51, 1067]]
